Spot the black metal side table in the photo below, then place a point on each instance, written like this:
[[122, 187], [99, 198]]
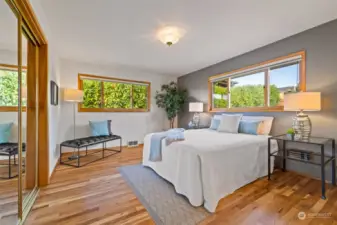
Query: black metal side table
[[324, 159]]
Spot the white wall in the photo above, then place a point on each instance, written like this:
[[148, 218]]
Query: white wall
[[11, 57], [131, 125]]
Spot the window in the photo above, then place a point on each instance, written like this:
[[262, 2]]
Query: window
[[106, 94], [259, 87], [9, 88]]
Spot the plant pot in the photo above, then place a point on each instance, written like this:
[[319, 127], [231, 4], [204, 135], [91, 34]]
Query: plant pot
[[291, 136]]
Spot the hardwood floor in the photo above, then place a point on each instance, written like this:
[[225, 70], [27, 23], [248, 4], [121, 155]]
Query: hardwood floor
[[97, 194]]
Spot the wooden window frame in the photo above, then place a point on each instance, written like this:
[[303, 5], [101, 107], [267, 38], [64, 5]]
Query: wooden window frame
[[266, 108], [13, 68], [117, 80]]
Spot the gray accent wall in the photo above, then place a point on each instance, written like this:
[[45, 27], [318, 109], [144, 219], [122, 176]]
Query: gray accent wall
[[320, 44]]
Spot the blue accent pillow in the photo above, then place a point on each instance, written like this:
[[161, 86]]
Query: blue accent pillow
[[249, 127], [214, 124], [99, 128], [5, 132]]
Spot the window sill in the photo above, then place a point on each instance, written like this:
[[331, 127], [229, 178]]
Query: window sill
[[250, 109], [11, 109], [111, 110]]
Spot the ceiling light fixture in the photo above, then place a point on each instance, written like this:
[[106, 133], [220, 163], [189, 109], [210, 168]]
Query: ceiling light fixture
[[169, 35]]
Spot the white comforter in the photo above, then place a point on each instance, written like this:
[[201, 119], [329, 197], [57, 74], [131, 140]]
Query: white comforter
[[208, 165]]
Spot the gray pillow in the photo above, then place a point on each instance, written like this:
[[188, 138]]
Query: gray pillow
[[109, 127]]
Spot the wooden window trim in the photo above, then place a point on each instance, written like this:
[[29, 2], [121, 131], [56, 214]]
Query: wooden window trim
[[302, 85], [113, 79], [12, 68]]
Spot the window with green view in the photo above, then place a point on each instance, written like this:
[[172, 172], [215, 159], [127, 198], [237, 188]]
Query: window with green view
[[112, 94], [259, 87], [9, 88]]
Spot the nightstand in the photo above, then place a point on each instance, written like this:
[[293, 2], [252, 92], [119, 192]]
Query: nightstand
[[289, 154]]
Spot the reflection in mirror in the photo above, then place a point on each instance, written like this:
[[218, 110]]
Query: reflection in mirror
[[29, 119], [8, 116]]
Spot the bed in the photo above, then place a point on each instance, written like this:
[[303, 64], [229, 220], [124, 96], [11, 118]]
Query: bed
[[209, 165]]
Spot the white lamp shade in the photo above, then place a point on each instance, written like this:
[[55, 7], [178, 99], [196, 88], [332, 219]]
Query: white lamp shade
[[72, 95], [196, 107], [306, 101]]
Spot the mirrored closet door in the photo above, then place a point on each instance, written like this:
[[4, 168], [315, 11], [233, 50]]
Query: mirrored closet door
[[18, 116], [28, 117], [9, 124]]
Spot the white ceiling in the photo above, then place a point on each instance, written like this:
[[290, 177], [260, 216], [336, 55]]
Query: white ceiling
[[123, 31]]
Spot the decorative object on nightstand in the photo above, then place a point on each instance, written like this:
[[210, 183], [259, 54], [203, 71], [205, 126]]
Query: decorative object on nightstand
[[291, 133], [197, 108], [304, 155], [74, 96], [302, 101]]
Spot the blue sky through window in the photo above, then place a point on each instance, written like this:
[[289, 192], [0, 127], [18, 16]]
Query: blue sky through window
[[282, 77]]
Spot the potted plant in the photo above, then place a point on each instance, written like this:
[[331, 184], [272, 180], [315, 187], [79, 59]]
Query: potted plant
[[291, 133], [171, 99]]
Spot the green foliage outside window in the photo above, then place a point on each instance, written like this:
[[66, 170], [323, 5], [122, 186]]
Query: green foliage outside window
[[114, 95], [245, 96], [220, 101], [117, 95], [9, 88], [92, 94], [139, 96]]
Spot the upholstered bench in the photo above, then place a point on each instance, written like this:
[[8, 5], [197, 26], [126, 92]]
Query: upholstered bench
[[85, 143], [10, 150]]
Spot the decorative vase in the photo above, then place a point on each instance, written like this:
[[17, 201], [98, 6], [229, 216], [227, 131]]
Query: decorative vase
[[291, 136], [302, 126]]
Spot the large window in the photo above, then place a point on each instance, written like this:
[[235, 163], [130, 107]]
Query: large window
[[9, 88], [106, 94], [259, 87]]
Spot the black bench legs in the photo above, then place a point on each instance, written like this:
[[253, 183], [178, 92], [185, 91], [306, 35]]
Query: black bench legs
[[75, 160]]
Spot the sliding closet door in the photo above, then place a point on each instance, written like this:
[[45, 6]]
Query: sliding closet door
[[9, 132], [29, 117]]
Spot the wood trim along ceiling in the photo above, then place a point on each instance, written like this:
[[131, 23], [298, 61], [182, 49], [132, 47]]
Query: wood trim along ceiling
[[265, 108]]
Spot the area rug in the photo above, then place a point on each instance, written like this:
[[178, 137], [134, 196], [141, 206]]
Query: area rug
[[158, 196]]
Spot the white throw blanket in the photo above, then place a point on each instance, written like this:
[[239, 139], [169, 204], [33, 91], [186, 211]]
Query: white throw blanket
[[209, 165]]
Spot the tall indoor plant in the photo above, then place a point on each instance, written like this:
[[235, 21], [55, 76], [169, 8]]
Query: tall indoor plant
[[171, 99]]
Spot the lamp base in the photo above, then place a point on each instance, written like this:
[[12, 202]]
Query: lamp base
[[302, 126], [196, 120]]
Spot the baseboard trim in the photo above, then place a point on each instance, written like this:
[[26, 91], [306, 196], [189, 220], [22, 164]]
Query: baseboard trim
[[54, 169]]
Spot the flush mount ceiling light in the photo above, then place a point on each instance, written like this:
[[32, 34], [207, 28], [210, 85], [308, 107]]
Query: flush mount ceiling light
[[170, 35]]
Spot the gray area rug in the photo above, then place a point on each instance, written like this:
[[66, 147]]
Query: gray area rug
[[158, 196]]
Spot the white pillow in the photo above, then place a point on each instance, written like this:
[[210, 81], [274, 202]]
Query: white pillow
[[229, 123]]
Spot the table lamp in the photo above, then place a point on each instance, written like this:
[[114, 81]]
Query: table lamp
[[300, 102], [197, 108]]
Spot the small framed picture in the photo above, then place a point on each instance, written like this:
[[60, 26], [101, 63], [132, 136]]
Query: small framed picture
[[54, 93]]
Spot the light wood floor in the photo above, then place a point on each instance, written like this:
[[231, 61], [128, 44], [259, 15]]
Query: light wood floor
[[97, 194]]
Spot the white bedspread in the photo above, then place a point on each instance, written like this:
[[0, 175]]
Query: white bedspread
[[209, 165]]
